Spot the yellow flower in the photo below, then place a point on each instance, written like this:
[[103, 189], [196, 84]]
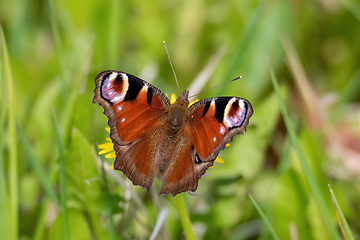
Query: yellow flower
[[107, 148], [173, 99]]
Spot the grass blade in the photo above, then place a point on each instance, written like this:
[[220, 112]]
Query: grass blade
[[4, 201], [114, 39], [184, 217], [314, 188], [243, 42], [13, 161], [4, 195], [109, 207], [345, 229], [352, 88], [265, 219], [57, 39], [352, 7], [79, 82], [40, 229], [38, 168], [62, 182], [159, 223]]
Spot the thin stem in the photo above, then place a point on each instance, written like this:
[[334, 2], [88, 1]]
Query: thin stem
[[108, 200], [62, 181], [12, 139], [184, 217]]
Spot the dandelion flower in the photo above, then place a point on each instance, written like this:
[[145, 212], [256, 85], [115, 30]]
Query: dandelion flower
[[107, 148]]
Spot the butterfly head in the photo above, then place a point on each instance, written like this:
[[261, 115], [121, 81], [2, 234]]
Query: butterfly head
[[183, 98]]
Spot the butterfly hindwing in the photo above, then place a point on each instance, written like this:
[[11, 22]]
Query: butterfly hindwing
[[214, 121], [179, 168], [137, 159], [184, 172]]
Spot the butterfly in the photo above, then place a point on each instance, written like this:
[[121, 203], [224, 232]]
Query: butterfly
[[153, 138]]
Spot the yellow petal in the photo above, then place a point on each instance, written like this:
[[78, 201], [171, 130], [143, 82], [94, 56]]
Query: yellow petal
[[219, 160], [108, 145], [196, 100], [110, 155], [108, 139], [227, 145], [172, 98], [107, 129], [105, 151], [112, 167]]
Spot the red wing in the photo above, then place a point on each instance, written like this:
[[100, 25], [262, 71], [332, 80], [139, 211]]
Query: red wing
[[132, 105], [210, 124], [137, 159], [214, 121], [135, 110], [183, 169]]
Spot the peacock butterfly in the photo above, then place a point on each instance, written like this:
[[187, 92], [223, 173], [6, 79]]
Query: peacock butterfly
[[152, 137]]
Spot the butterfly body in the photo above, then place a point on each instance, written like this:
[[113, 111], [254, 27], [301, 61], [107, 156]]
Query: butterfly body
[[153, 137]]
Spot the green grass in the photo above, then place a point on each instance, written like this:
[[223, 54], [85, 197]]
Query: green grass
[[304, 133], [309, 177], [265, 219], [109, 206], [344, 226], [62, 182], [10, 199], [185, 221]]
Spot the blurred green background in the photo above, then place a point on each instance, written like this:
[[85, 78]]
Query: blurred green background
[[51, 52]]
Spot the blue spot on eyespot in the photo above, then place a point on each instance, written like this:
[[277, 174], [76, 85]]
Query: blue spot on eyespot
[[197, 159]]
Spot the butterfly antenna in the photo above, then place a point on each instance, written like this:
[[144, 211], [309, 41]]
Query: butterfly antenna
[[177, 83], [216, 86]]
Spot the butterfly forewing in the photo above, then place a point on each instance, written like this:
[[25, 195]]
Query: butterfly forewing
[[214, 121], [132, 105]]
